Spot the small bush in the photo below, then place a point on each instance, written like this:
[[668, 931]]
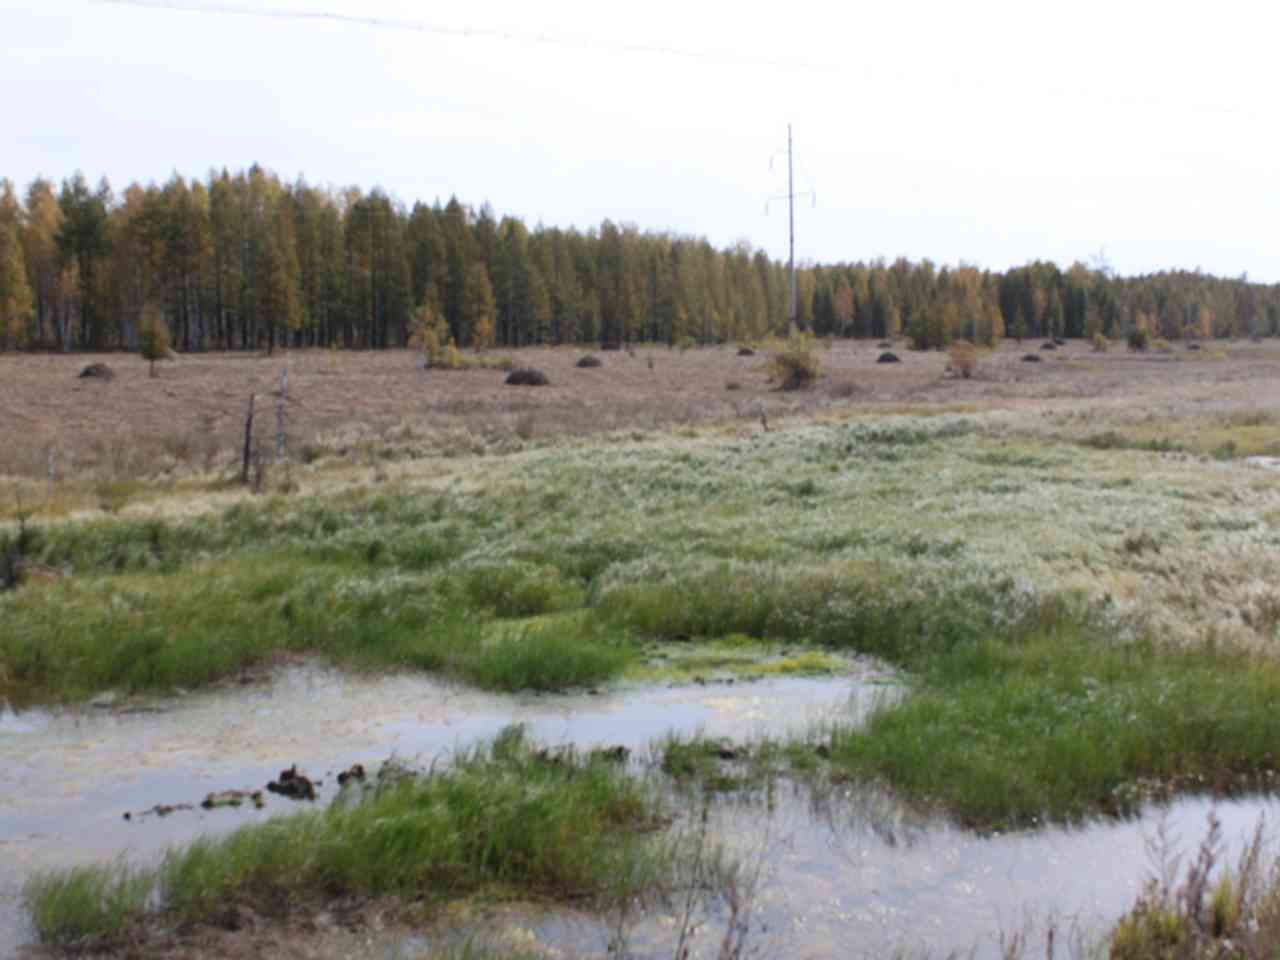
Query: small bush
[[964, 358], [1030, 358], [733, 385], [1138, 339], [795, 366], [1161, 345], [746, 352], [1100, 343], [527, 377], [1048, 345], [590, 360], [153, 335]]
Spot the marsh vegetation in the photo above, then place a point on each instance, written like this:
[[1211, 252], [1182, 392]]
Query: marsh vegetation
[[1080, 599]]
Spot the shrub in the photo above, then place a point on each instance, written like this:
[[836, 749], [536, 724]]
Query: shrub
[[746, 352], [153, 335], [1138, 339], [590, 360], [527, 377], [1162, 345], [795, 365], [964, 358], [1100, 343]]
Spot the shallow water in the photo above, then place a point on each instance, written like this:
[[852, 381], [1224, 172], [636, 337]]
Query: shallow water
[[67, 778], [855, 875]]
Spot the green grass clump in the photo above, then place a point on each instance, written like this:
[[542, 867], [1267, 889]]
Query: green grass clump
[[1055, 722], [101, 901], [506, 819], [552, 655]]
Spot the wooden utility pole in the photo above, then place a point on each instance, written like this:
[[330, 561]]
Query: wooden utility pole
[[791, 233], [790, 195]]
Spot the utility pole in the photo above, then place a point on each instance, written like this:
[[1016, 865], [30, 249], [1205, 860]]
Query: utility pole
[[791, 217], [790, 195]]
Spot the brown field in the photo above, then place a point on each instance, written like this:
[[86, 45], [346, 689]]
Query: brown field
[[190, 418]]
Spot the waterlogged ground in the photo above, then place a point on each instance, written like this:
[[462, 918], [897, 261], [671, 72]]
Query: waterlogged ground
[[860, 877], [844, 871], [1068, 581], [71, 775]]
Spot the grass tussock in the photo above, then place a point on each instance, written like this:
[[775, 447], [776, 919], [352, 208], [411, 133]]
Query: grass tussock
[[503, 819], [100, 901]]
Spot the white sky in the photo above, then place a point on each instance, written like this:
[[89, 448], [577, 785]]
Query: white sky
[[986, 131]]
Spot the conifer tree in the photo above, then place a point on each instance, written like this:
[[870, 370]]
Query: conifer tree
[[479, 310]]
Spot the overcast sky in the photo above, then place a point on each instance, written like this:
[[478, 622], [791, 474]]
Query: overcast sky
[[988, 132]]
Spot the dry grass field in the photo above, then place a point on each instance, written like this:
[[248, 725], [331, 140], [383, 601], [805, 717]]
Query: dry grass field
[[190, 419]]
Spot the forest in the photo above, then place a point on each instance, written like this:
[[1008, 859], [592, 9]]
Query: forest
[[246, 261]]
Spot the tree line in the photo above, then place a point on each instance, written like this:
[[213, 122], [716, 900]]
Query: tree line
[[246, 261]]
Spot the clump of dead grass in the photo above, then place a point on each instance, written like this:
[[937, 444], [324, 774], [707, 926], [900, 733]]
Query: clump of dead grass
[[1217, 911]]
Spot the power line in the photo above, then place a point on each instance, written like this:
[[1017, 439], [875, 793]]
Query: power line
[[958, 81], [582, 42]]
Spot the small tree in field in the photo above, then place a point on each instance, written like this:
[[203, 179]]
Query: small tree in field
[[794, 365], [964, 358], [153, 335]]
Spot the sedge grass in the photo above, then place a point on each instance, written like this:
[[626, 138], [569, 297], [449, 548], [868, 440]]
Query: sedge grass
[[152, 631]]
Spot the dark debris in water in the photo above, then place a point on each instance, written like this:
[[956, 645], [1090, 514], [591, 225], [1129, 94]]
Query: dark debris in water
[[159, 810], [294, 785], [233, 798], [354, 773]]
